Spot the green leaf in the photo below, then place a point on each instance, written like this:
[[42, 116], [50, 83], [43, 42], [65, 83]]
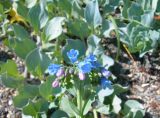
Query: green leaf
[[77, 11], [106, 61], [92, 14], [20, 32], [35, 108], [88, 104], [31, 91], [34, 17], [94, 46], [47, 91], [118, 89], [9, 74], [26, 92], [11, 81], [54, 28], [69, 107], [110, 6], [107, 27], [1, 9], [158, 7], [74, 108], [155, 36], [102, 93], [73, 44], [135, 11], [20, 100], [93, 43], [37, 61], [138, 39], [59, 114], [78, 28], [127, 4], [133, 108], [22, 10], [65, 5], [9, 68], [147, 18], [38, 17], [116, 104], [30, 3], [24, 47], [103, 109]]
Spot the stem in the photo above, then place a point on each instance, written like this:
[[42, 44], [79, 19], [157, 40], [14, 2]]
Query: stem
[[132, 20], [117, 35], [79, 99], [95, 113]]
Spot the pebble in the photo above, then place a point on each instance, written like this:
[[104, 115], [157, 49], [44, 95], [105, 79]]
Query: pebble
[[158, 97], [144, 85], [10, 102]]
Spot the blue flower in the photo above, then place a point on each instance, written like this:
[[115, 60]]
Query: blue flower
[[106, 73], [53, 68], [84, 67], [72, 55], [93, 60], [95, 64], [106, 83]]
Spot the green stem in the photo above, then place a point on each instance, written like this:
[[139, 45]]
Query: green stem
[[132, 20], [79, 99], [95, 113], [117, 35]]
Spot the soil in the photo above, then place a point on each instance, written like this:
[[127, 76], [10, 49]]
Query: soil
[[141, 74]]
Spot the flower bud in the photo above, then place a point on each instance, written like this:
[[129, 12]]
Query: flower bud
[[105, 73], [55, 84], [60, 72], [81, 76]]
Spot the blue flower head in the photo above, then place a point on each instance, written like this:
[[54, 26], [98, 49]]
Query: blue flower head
[[72, 55], [53, 68], [84, 67], [106, 83], [105, 73], [93, 60]]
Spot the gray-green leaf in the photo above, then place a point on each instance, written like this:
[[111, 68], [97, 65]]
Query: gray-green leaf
[[54, 28], [92, 14]]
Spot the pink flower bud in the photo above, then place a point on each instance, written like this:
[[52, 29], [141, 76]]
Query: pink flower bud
[[60, 72], [81, 76], [55, 84]]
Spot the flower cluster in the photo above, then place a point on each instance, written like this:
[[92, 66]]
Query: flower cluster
[[105, 82], [58, 70], [83, 67]]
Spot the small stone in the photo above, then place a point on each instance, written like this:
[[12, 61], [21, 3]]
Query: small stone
[[158, 97], [144, 85], [10, 102]]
